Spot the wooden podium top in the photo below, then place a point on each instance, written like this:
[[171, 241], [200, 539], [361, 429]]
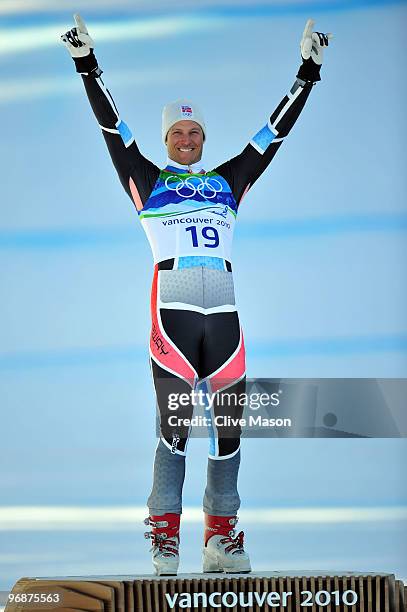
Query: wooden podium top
[[289, 591], [200, 575]]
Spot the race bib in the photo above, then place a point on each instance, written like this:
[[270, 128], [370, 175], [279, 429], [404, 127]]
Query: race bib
[[189, 215]]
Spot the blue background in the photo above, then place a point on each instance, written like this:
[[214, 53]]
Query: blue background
[[319, 267]]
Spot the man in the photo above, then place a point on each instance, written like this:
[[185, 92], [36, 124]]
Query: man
[[196, 339]]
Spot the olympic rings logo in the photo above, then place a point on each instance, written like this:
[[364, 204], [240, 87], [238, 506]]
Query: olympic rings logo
[[203, 187]]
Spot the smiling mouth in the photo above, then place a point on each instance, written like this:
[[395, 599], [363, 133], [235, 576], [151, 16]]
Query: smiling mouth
[[185, 150]]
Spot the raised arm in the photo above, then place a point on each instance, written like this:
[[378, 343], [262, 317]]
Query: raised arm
[[242, 171], [137, 174]]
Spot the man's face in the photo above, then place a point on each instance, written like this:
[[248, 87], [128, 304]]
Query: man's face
[[185, 142]]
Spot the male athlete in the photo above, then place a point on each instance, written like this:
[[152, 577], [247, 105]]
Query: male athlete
[[188, 214]]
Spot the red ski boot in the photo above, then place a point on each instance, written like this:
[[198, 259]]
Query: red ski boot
[[222, 551], [165, 540]]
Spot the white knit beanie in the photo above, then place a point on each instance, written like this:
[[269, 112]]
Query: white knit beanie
[[181, 110]]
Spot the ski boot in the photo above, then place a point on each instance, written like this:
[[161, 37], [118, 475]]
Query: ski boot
[[165, 540], [222, 551]]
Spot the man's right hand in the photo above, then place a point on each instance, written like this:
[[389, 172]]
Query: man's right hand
[[77, 40], [80, 46]]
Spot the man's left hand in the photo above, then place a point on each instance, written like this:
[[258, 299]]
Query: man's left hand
[[312, 45]]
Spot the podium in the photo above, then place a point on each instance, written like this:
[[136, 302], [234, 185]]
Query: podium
[[254, 592]]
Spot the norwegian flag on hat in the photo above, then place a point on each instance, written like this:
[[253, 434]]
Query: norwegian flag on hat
[[186, 110]]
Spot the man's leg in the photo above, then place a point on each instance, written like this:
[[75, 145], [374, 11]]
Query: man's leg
[[225, 377], [174, 347], [221, 494], [169, 461]]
